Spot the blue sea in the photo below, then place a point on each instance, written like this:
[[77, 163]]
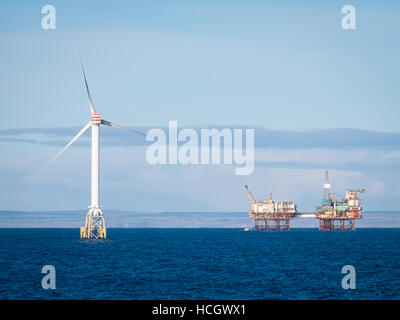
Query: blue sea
[[200, 264]]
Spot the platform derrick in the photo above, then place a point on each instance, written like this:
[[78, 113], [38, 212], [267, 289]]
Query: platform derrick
[[271, 214], [334, 214]]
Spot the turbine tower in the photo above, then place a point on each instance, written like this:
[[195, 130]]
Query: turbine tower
[[95, 227]]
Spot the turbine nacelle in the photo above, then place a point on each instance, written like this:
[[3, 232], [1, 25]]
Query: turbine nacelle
[[96, 118]]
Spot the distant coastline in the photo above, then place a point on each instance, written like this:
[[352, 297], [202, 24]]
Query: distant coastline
[[132, 219]]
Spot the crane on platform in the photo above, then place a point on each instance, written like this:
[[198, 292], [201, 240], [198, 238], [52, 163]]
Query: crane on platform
[[252, 197]]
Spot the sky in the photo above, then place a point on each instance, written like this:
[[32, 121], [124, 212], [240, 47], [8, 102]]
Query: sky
[[319, 97]]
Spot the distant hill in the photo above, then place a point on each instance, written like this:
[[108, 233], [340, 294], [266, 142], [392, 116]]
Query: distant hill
[[132, 219]]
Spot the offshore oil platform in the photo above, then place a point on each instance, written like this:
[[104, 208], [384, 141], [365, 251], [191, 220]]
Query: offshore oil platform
[[266, 211], [333, 214], [344, 211]]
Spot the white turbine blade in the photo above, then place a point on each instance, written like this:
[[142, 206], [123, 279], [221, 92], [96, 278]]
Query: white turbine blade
[[91, 104], [83, 130], [110, 124]]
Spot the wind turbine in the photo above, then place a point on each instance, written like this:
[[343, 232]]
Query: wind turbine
[[95, 227]]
